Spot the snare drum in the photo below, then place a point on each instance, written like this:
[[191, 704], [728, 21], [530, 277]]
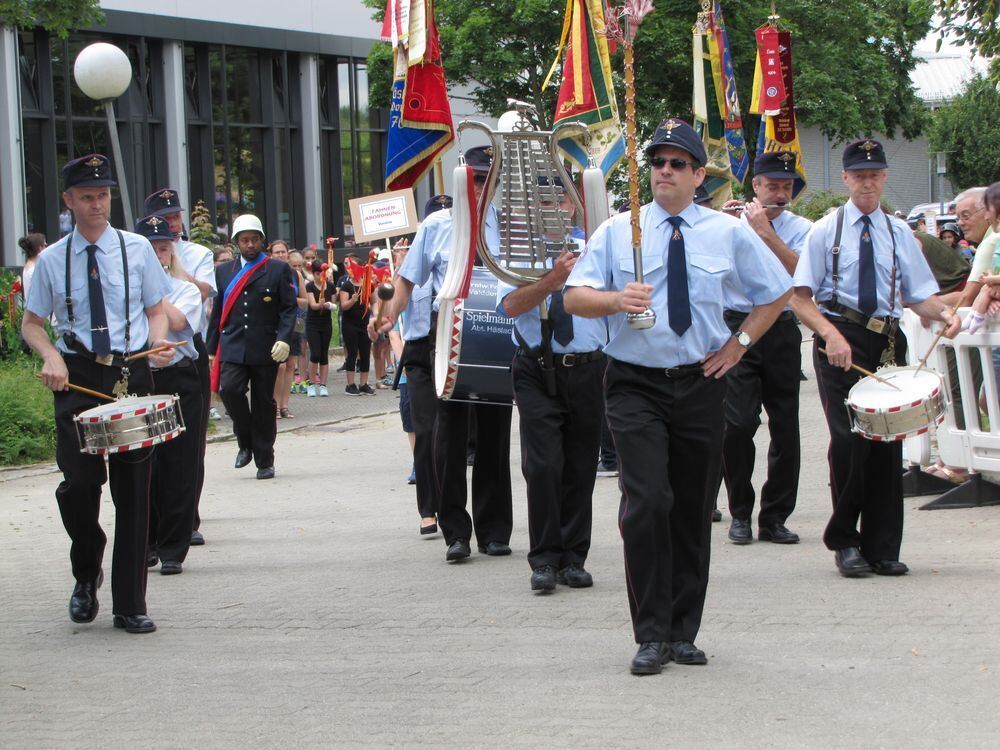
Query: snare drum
[[475, 346], [882, 413], [129, 424]]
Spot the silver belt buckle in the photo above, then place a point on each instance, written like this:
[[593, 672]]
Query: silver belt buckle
[[569, 360], [105, 360], [876, 325]]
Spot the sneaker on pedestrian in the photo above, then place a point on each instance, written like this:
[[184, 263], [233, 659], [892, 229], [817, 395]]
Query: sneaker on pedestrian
[[412, 479], [214, 415], [387, 381], [302, 389], [367, 390], [323, 391], [605, 469], [311, 391], [352, 390], [342, 368]]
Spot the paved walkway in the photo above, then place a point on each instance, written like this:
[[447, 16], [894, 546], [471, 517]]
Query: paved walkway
[[316, 616]]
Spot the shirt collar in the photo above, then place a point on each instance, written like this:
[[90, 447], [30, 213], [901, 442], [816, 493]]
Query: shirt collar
[[79, 243], [853, 214], [691, 214]]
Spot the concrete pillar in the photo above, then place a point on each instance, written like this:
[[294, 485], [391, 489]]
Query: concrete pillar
[[13, 213], [174, 122], [311, 174]]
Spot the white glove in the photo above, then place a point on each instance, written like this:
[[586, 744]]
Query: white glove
[[279, 352]]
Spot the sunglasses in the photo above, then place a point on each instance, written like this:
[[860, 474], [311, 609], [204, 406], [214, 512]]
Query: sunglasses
[[676, 164]]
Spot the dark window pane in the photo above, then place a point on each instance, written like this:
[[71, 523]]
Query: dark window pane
[[344, 94]]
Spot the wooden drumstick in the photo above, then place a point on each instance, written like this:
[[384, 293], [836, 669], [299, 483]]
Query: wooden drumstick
[[936, 340], [89, 392], [154, 350], [870, 374]]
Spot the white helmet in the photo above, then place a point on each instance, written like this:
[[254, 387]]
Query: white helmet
[[247, 223]]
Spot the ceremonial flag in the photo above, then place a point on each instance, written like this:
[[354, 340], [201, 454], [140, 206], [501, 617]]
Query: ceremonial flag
[[716, 104], [587, 93], [420, 125], [773, 97]]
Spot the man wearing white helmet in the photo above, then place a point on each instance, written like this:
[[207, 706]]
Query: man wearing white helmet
[[250, 334]]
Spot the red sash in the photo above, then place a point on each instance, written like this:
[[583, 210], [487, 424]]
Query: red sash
[[227, 307]]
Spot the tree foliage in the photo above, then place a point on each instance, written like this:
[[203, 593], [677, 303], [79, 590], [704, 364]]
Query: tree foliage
[[964, 129], [56, 16], [971, 22], [852, 59]]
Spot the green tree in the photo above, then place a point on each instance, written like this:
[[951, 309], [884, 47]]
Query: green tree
[[852, 59], [964, 131], [201, 230], [57, 16], [972, 22]]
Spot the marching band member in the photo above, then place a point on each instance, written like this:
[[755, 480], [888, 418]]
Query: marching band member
[[664, 385], [768, 374], [81, 280], [861, 287], [176, 463]]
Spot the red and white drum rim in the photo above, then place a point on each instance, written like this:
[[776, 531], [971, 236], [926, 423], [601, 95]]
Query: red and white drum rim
[[148, 443]]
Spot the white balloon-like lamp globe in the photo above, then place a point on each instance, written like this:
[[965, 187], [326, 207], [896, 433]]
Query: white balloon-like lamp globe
[[103, 72]]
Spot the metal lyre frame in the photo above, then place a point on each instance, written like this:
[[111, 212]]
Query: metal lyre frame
[[529, 212]]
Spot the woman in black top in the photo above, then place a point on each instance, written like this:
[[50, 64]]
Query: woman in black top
[[319, 326], [356, 342]]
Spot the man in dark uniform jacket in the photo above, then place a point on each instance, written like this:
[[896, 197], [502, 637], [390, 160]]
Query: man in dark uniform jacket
[[250, 333]]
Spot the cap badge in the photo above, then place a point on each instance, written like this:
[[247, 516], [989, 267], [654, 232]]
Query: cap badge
[[669, 126], [154, 222], [488, 151], [94, 162]]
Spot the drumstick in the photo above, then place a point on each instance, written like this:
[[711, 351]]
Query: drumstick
[[870, 374], [154, 350], [936, 340], [81, 389]]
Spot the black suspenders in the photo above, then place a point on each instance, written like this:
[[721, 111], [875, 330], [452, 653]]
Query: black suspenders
[[70, 336]]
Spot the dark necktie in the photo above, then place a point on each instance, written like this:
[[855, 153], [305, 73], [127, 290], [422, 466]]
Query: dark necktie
[[99, 334], [678, 304], [867, 299], [561, 321]]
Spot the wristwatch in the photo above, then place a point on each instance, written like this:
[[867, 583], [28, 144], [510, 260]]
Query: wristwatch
[[743, 339]]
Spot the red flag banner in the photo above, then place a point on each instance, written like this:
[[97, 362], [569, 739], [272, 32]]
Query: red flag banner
[[772, 82]]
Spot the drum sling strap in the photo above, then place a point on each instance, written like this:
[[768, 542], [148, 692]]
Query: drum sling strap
[[544, 351]]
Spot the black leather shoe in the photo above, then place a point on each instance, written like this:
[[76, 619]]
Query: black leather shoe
[[170, 568], [495, 549], [151, 559], [650, 658], [574, 576], [739, 531], [543, 579], [850, 563], [427, 530], [716, 515], [197, 539], [777, 533], [458, 550], [889, 568], [83, 604], [243, 458], [685, 652], [266, 473], [134, 623]]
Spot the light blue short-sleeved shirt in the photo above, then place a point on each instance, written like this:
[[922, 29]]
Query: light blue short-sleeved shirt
[[148, 284], [186, 297], [589, 334], [914, 279], [718, 251], [417, 316], [792, 230], [199, 262], [427, 259]]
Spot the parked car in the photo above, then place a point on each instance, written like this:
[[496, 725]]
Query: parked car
[[918, 212]]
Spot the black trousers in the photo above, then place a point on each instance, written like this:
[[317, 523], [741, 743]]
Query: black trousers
[[866, 477], [492, 510], [423, 414], [560, 436], [254, 421], [79, 494], [358, 347], [668, 433], [174, 487], [768, 376], [205, 383], [319, 331]]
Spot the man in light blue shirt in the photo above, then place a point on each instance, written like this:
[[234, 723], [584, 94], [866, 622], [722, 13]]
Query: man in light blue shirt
[[82, 281], [492, 517], [663, 384], [557, 372], [861, 288], [768, 375]]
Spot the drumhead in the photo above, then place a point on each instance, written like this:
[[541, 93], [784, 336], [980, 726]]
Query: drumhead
[[127, 407], [869, 394]]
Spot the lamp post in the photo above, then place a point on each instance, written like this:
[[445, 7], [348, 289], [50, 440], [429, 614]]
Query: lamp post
[[942, 169], [103, 72]]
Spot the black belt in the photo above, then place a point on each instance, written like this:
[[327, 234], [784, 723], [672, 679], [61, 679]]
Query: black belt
[[886, 326], [736, 315], [115, 359], [569, 359], [670, 373]]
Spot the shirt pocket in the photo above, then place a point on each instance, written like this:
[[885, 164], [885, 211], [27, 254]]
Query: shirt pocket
[[625, 261], [706, 275]]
